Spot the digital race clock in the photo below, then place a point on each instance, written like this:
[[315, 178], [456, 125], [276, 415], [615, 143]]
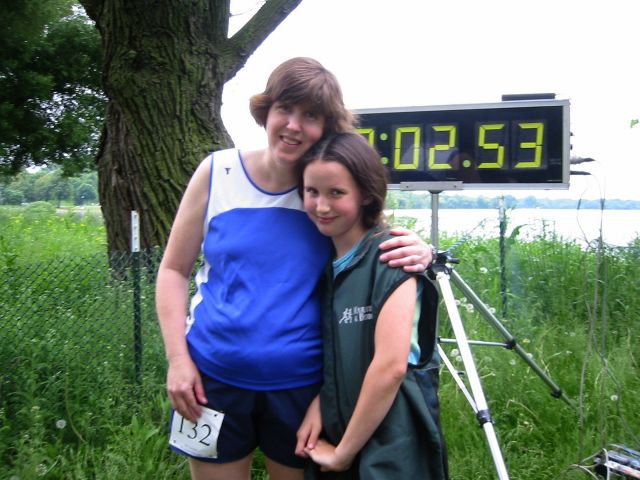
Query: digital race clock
[[505, 145]]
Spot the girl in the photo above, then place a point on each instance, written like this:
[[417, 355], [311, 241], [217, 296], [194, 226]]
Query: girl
[[377, 408]]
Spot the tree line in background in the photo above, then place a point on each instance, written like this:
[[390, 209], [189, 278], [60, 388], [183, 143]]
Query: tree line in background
[[52, 186], [410, 200], [49, 185]]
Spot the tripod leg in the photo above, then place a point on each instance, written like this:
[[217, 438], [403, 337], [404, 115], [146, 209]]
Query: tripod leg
[[483, 415], [511, 341], [457, 378]]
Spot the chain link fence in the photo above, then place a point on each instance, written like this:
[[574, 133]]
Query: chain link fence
[[84, 319]]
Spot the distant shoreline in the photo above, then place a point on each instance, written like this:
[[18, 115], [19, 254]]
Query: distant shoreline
[[398, 199], [545, 207]]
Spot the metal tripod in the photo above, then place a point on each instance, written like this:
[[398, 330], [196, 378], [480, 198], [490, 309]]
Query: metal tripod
[[442, 272]]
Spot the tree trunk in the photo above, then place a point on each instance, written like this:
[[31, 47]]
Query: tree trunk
[[165, 92], [165, 66]]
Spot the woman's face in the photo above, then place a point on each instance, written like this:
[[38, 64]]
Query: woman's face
[[291, 130]]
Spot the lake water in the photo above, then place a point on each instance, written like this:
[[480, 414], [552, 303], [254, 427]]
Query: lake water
[[618, 227]]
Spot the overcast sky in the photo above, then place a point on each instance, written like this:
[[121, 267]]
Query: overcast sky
[[422, 52]]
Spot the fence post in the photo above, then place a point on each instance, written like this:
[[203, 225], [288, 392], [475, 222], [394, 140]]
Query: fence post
[[503, 255], [137, 323]]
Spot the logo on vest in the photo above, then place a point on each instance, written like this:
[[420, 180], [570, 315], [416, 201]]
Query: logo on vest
[[356, 314]]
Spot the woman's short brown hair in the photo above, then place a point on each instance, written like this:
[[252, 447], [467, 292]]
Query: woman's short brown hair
[[304, 81]]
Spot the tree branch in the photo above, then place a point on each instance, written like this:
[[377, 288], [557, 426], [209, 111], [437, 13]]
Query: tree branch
[[254, 32], [92, 7]]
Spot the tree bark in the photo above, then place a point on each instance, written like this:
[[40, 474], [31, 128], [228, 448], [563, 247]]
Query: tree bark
[[165, 66]]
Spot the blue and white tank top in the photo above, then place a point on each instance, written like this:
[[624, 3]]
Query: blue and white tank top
[[254, 320]]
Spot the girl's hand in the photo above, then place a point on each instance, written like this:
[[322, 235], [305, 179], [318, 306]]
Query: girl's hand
[[328, 457], [407, 250]]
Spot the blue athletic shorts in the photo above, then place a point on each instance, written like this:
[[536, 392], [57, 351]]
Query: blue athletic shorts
[[268, 420]]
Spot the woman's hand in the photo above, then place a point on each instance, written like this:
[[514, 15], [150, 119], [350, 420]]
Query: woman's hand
[[185, 389], [407, 250]]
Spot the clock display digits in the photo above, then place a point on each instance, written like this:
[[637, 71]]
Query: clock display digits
[[511, 144], [369, 134], [492, 138], [407, 144], [531, 148], [441, 144]]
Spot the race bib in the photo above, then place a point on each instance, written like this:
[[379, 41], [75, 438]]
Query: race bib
[[199, 439]]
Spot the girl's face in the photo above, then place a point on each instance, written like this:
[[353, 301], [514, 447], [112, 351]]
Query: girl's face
[[334, 203], [291, 130]]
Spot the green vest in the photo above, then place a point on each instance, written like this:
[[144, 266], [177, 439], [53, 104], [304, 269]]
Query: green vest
[[408, 444]]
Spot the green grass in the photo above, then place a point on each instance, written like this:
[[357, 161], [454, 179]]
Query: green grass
[[37, 232], [72, 407]]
